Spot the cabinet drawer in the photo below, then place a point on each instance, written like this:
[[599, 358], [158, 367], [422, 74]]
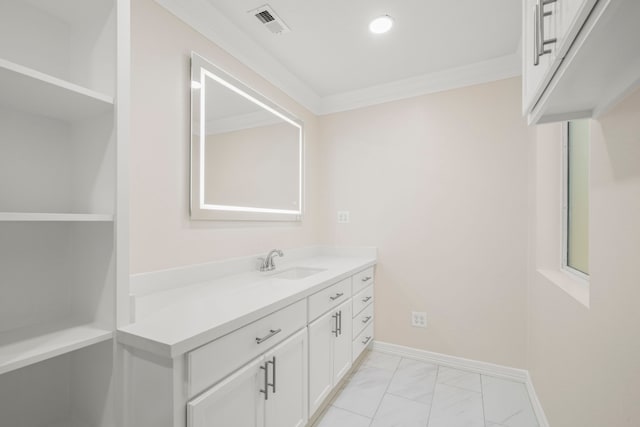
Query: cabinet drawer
[[362, 279], [362, 320], [362, 299], [362, 340], [214, 361], [326, 299]]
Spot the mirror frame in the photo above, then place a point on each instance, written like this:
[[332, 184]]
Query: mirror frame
[[201, 68]]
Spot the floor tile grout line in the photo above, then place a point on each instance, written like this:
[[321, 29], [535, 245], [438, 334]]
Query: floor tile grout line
[[407, 398], [335, 397], [385, 390], [462, 388], [484, 416], [528, 400], [349, 411], [433, 396]]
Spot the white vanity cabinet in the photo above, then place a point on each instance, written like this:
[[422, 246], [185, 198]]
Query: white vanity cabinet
[[279, 351], [363, 283], [329, 352], [270, 391], [580, 57], [212, 362]]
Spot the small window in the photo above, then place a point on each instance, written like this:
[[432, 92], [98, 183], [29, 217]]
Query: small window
[[576, 200]]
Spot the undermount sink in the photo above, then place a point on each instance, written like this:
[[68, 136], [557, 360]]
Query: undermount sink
[[295, 273]]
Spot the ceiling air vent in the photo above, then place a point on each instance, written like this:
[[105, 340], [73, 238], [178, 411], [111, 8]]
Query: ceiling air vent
[[270, 19]]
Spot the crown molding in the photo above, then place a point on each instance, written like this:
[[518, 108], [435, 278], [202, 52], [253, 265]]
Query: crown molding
[[206, 19], [452, 78]]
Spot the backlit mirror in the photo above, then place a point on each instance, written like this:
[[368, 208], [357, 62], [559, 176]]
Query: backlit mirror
[[246, 152]]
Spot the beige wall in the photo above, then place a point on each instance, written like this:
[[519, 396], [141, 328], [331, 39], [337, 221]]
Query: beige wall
[[436, 182], [585, 362], [162, 235], [439, 184]]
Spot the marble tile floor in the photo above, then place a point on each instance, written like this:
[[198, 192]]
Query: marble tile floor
[[391, 391]]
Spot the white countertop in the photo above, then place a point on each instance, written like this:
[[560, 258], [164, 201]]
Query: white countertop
[[207, 310]]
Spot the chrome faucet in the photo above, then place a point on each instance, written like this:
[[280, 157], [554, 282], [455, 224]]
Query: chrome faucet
[[267, 262]]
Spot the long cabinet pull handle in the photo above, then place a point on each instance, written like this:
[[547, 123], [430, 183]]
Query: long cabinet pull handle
[[340, 322], [335, 330], [366, 299], [366, 279], [272, 362], [366, 340], [266, 381], [271, 333], [536, 36], [336, 296], [366, 319], [540, 41]]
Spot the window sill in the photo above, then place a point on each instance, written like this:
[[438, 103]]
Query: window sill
[[576, 287]]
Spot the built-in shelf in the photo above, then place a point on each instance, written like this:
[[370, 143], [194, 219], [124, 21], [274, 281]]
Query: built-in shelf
[[23, 347], [53, 217], [31, 91]]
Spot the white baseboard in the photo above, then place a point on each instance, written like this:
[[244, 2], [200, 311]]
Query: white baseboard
[[484, 368], [535, 402]]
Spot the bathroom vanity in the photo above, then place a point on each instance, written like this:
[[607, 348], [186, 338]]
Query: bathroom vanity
[[224, 344]]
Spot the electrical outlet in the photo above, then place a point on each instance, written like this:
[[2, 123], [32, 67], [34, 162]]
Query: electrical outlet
[[343, 217], [419, 319]]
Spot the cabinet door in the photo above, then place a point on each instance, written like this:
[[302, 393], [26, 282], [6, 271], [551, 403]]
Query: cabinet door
[[321, 338], [234, 402], [535, 75], [286, 405], [571, 16], [342, 343]]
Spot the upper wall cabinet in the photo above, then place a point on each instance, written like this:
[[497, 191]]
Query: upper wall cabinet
[[580, 57]]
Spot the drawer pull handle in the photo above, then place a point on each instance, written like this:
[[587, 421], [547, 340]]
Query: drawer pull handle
[[338, 295], [366, 299], [266, 381], [366, 340], [271, 333], [366, 279], [366, 319]]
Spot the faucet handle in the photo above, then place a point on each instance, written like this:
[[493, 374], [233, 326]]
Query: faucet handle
[[263, 264]]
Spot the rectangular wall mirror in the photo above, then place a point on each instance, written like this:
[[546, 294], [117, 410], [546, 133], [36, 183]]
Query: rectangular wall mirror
[[246, 151]]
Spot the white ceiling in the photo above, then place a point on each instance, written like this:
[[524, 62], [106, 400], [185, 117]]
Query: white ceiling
[[331, 62]]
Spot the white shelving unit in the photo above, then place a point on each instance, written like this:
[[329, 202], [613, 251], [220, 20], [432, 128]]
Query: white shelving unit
[[27, 346], [28, 90], [61, 219]]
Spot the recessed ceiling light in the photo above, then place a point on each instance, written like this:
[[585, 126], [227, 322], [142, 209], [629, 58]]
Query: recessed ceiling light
[[381, 24]]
